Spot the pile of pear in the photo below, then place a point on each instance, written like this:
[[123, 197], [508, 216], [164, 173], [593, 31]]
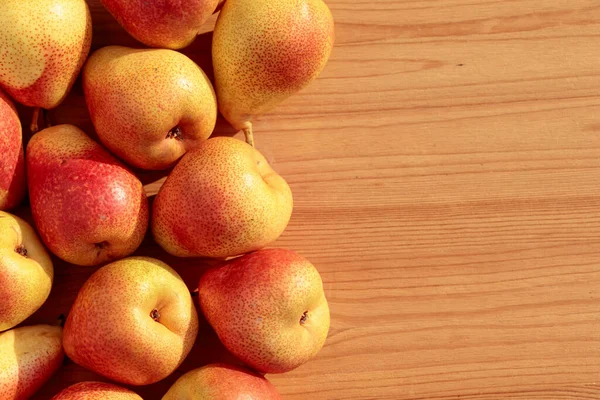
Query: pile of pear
[[134, 321]]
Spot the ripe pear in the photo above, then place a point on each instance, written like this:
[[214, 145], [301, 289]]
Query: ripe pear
[[26, 271], [12, 164], [266, 50], [268, 308], [133, 321], [96, 391], [148, 106], [222, 199], [87, 206], [29, 356], [44, 45], [223, 382], [172, 24]]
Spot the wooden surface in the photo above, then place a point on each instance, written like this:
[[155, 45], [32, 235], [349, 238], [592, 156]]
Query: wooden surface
[[446, 176]]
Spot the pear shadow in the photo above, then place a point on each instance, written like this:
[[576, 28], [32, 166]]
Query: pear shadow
[[224, 129], [106, 31], [200, 51], [152, 177], [189, 269], [74, 111]]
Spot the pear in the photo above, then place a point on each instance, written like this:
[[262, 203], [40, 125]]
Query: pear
[[12, 163], [266, 50], [222, 199], [171, 24], [222, 382], [148, 106], [96, 391], [268, 308], [88, 208], [44, 45], [133, 321], [26, 271], [29, 356]]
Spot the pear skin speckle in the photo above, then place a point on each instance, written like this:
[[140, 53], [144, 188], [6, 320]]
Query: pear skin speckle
[[26, 271], [171, 24], [268, 308], [266, 50], [12, 162], [222, 199], [88, 207], [222, 382], [148, 106], [96, 391], [29, 356], [44, 45], [110, 329]]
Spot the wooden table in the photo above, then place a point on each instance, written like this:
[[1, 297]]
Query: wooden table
[[446, 176]]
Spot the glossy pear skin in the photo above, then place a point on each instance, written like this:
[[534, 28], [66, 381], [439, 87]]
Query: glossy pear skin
[[171, 24], [96, 391], [138, 98], [44, 45], [223, 382], [222, 199], [266, 50], [268, 308], [29, 356], [133, 321], [26, 271], [12, 161], [87, 206]]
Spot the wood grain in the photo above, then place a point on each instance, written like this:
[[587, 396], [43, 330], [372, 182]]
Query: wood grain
[[446, 174]]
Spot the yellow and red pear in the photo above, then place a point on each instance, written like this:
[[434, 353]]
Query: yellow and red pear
[[96, 391], [44, 45], [87, 206], [266, 50], [148, 106], [171, 24], [26, 271], [268, 308], [12, 164], [133, 321], [222, 199], [29, 356], [222, 382]]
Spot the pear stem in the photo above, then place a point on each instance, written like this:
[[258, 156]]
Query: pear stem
[[34, 120], [249, 134]]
